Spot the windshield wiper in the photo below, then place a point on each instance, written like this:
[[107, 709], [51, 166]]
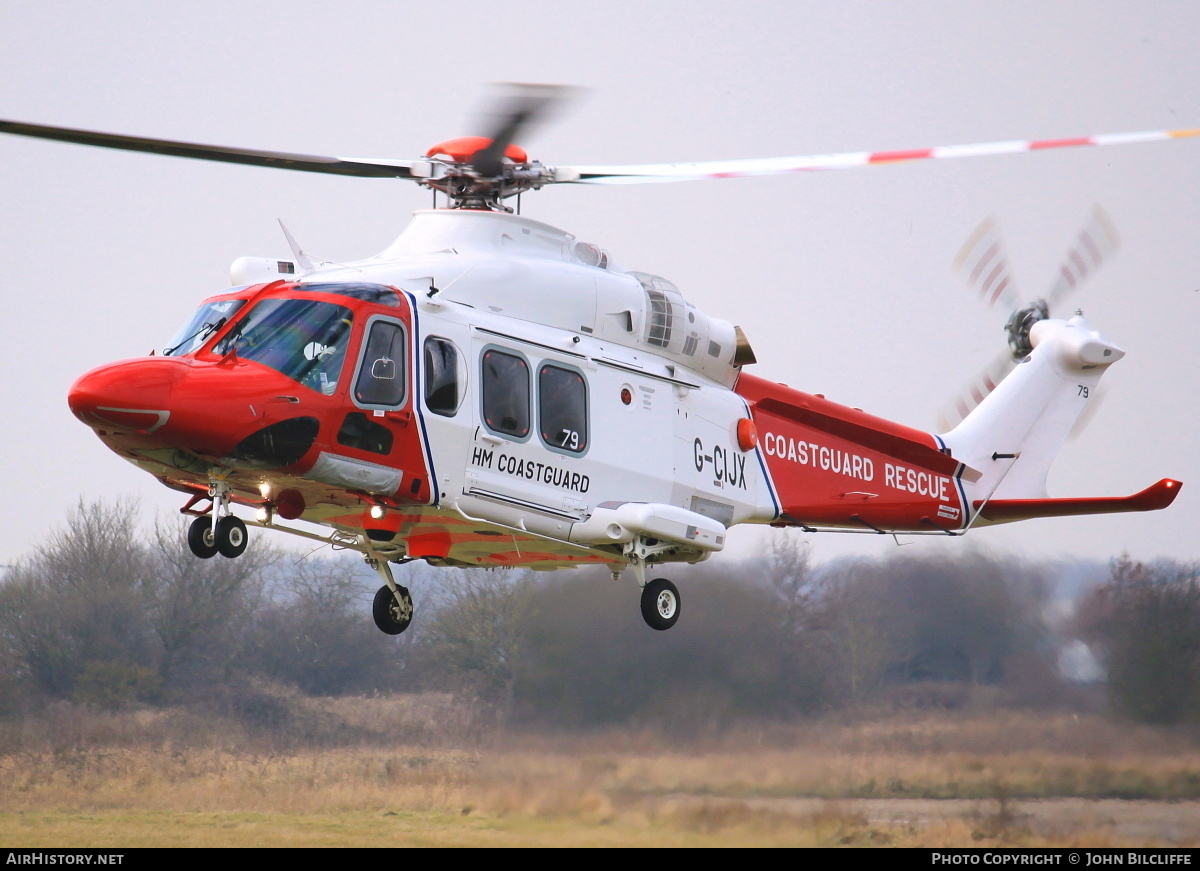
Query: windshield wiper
[[207, 330]]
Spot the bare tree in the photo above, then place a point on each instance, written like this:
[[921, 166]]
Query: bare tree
[[790, 573], [314, 630], [1145, 625], [861, 635], [199, 609], [79, 599], [475, 637]]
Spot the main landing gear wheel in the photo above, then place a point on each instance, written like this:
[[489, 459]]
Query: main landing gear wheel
[[200, 538], [392, 617], [660, 604], [231, 536]]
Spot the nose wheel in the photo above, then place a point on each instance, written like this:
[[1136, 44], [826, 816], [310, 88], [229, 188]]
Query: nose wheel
[[229, 539], [231, 536], [201, 539]]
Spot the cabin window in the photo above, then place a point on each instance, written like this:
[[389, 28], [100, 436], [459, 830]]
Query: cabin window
[[445, 377], [303, 339], [381, 374], [562, 408], [505, 384], [359, 431]]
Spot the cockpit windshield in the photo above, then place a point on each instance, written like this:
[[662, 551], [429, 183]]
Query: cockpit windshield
[[303, 339], [210, 318]]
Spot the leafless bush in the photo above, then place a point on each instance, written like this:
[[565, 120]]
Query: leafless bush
[[1145, 624], [313, 630]]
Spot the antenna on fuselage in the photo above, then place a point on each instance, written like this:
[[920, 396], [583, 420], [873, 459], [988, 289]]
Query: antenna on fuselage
[[305, 262]]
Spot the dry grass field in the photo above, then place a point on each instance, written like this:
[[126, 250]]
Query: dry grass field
[[421, 772]]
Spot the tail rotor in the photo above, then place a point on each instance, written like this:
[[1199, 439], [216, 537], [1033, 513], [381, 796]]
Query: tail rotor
[[986, 270]]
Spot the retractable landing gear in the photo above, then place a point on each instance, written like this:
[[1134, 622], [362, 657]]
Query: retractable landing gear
[[220, 532], [660, 597], [393, 606]]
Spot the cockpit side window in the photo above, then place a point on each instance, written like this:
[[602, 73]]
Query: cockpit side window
[[445, 376], [505, 386], [203, 324], [303, 339], [381, 374]]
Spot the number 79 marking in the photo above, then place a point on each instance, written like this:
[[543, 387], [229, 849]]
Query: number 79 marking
[[1083, 391]]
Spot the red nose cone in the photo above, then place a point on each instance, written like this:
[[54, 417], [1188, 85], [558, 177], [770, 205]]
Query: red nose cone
[[130, 396]]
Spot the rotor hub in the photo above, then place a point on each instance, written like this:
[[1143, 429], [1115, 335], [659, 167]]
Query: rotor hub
[[1019, 325], [458, 169]]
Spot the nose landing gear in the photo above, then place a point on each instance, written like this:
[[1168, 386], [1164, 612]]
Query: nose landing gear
[[219, 531]]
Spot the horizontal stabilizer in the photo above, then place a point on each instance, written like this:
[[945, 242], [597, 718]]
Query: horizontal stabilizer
[[1153, 498]]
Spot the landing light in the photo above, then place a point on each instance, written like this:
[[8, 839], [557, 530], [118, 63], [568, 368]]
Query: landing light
[[263, 515], [377, 512]]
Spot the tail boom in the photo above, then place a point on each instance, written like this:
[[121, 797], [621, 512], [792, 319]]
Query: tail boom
[[834, 467]]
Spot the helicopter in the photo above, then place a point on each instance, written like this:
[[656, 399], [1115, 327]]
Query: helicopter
[[490, 391]]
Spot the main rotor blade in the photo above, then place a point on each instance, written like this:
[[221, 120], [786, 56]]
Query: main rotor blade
[[664, 172], [248, 156], [517, 108]]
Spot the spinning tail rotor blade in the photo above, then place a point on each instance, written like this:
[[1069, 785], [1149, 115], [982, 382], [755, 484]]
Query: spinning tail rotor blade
[[664, 172], [953, 412], [1097, 242], [248, 156], [984, 264]]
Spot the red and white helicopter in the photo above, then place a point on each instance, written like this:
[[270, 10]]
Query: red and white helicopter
[[490, 391]]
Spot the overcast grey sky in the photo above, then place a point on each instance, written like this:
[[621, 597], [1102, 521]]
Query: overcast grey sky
[[841, 280]]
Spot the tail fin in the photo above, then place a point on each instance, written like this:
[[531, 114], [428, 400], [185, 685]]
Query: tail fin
[[1013, 436]]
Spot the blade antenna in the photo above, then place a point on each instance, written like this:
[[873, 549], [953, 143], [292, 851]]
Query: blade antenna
[[306, 263]]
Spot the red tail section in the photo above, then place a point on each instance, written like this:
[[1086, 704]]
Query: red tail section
[[834, 466]]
